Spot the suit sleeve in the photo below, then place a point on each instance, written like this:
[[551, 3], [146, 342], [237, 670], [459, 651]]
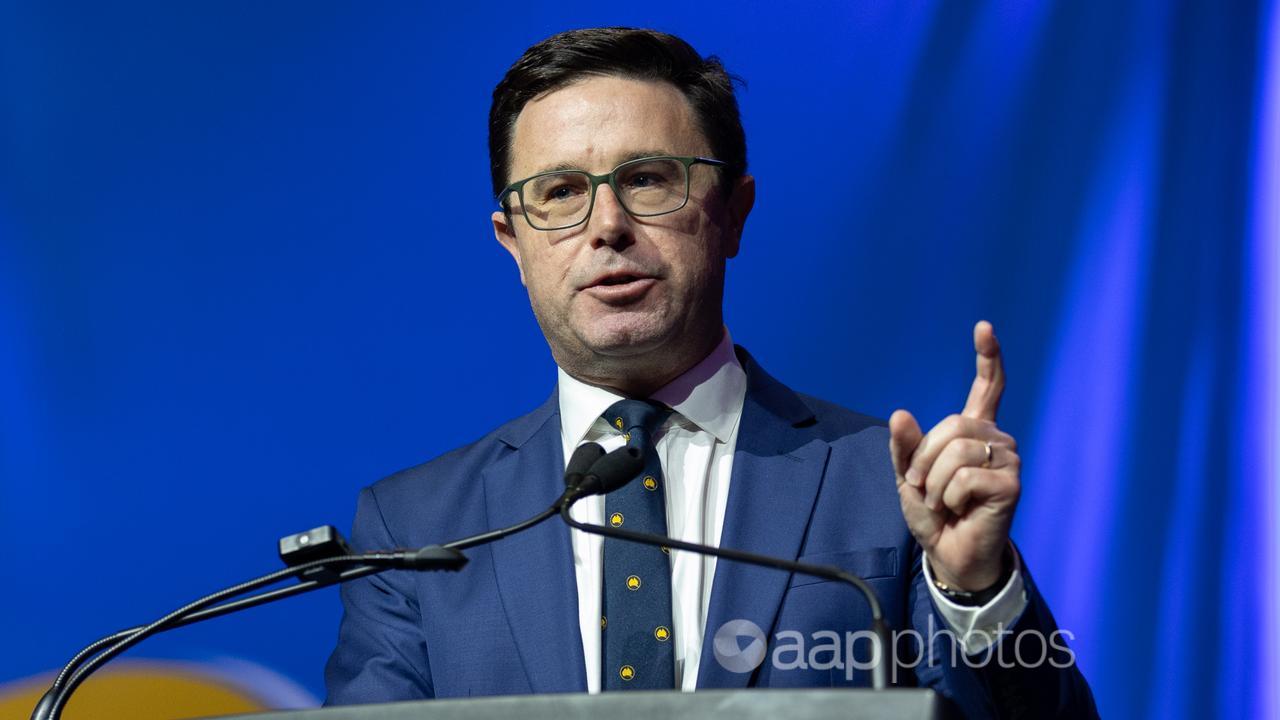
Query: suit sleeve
[[1030, 672], [381, 654]]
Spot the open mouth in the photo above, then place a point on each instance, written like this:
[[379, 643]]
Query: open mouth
[[621, 289], [619, 280]]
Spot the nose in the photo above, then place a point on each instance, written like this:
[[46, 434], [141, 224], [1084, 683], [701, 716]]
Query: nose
[[610, 224]]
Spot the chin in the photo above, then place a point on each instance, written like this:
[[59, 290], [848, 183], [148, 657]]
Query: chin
[[625, 335]]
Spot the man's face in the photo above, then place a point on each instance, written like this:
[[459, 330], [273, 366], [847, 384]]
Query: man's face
[[621, 297]]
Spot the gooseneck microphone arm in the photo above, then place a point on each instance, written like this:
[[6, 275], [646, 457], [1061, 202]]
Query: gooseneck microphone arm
[[447, 556], [207, 613], [432, 557], [879, 669]]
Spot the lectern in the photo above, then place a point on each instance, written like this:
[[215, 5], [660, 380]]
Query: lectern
[[825, 704]]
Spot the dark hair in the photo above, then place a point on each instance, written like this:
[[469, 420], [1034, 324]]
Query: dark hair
[[624, 52]]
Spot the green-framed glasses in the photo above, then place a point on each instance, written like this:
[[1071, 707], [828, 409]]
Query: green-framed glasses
[[564, 198]]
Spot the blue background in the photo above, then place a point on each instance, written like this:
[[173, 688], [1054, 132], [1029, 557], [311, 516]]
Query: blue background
[[246, 268]]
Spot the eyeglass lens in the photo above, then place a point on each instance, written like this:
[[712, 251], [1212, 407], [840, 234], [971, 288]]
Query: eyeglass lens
[[644, 187]]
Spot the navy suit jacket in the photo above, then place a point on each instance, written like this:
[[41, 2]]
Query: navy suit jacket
[[811, 481]]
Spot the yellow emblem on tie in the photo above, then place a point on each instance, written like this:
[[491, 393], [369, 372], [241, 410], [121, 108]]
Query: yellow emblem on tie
[[650, 482], [618, 422], [626, 437], [633, 582], [666, 550], [626, 672], [662, 633], [604, 622], [615, 519]]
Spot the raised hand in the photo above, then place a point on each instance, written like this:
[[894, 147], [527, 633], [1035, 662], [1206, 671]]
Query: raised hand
[[959, 484]]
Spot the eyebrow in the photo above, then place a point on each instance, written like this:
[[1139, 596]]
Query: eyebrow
[[559, 167]]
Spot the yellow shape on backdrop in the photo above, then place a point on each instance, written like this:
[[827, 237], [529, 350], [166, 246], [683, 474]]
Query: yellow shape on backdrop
[[136, 691]]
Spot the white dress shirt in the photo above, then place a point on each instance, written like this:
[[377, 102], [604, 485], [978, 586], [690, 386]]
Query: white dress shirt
[[695, 446]]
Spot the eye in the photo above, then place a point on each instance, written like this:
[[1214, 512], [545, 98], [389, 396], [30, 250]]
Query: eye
[[646, 180], [559, 192], [650, 175]]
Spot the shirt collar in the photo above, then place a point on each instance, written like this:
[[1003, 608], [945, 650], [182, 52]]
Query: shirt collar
[[709, 394]]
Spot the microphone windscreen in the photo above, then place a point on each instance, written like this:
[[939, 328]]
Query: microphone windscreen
[[617, 468], [580, 462]]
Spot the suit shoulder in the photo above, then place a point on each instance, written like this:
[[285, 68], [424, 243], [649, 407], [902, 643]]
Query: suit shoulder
[[836, 421], [830, 421], [462, 463]]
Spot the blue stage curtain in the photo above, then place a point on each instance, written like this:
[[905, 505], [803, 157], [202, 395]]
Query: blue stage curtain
[[1151, 500], [246, 268]]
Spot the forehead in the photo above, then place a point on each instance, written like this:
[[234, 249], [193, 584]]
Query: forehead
[[595, 123]]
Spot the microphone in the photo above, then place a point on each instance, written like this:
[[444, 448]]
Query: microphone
[[605, 475], [610, 481], [613, 471], [580, 463]]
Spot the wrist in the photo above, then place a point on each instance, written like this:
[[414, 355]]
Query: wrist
[[964, 594]]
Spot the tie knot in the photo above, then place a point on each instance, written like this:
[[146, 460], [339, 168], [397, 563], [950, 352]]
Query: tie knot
[[628, 416]]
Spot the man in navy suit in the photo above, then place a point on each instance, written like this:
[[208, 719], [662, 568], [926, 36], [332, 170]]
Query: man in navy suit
[[619, 161]]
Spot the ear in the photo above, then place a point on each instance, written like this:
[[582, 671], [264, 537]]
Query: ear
[[741, 199], [506, 237]]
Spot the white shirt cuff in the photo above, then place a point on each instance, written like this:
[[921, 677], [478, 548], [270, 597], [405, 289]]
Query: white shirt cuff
[[981, 627]]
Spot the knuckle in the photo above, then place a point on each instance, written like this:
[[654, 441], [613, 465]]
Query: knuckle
[[952, 451], [952, 424], [1007, 483], [955, 502]]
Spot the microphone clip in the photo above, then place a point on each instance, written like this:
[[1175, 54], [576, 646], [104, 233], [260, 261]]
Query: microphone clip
[[432, 557]]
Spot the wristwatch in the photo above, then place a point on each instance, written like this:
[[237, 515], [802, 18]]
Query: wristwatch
[[978, 598]]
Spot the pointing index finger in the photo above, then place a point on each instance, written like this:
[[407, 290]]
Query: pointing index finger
[[988, 384]]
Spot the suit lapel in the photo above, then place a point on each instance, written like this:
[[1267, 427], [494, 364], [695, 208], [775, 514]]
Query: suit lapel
[[777, 470], [534, 569]]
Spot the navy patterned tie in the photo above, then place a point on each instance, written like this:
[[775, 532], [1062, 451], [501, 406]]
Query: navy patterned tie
[[635, 621]]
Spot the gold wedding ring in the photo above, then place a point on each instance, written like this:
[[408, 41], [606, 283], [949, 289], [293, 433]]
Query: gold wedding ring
[[987, 463]]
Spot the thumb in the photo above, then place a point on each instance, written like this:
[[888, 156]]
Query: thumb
[[904, 438]]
